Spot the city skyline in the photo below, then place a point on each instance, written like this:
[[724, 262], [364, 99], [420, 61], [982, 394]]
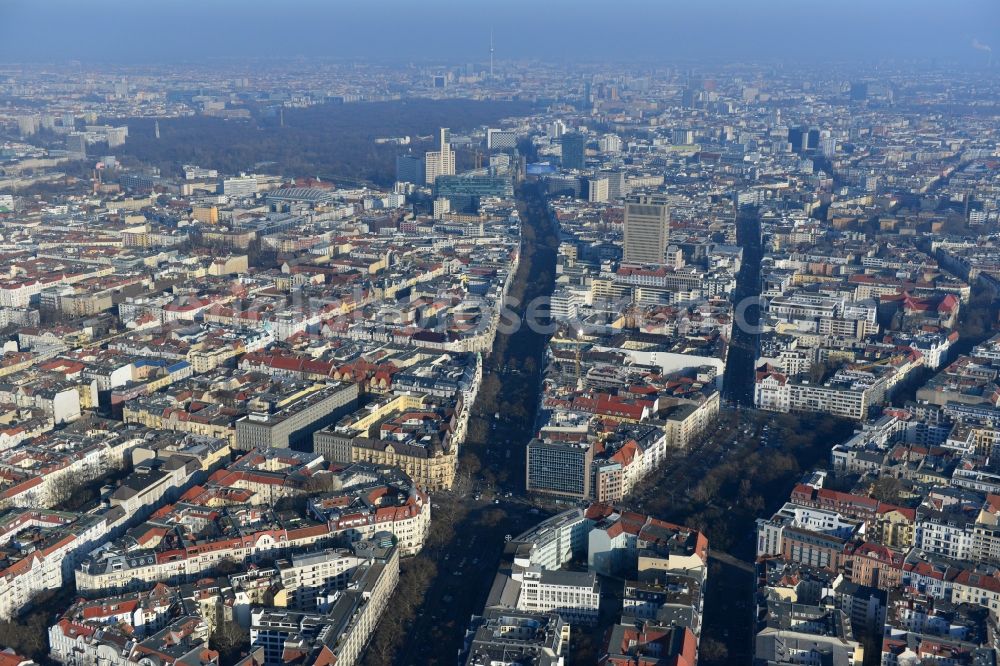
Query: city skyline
[[548, 334]]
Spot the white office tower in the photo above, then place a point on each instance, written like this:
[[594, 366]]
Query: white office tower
[[241, 186], [440, 162], [556, 129], [617, 188], [442, 207], [27, 125], [597, 190], [116, 136], [675, 257], [647, 229], [610, 143], [827, 144]]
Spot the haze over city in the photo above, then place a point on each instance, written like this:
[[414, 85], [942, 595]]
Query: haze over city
[[561, 30], [499, 333]]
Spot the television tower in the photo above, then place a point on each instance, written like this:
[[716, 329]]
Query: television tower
[[491, 53]]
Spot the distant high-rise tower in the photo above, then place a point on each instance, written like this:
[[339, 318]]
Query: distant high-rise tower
[[491, 53], [440, 162], [803, 139], [798, 137], [27, 125], [647, 229], [811, 139], [76, 144], [827, 144], [499, 139], [859, 91], [410, 169], [573, 151], [156, 129]]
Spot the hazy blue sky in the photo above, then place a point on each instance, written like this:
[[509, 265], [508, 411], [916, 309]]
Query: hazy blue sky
[[162, 30]]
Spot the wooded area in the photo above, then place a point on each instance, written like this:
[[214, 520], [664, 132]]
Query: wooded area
[[327, 140]]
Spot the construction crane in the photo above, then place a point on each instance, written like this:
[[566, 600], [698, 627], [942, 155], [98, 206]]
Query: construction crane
[[578, 343]]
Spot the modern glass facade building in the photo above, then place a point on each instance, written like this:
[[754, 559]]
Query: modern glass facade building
[[573, 151]]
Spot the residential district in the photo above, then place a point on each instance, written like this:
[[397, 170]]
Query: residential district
[[230, 401]]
